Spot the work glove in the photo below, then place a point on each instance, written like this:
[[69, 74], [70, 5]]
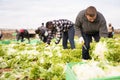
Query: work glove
[[46, 33], [56, 43], [46, 44], [112, 33], [81, 40], [53, 46]]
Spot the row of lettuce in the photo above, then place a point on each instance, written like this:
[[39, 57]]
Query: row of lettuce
[[36, 61]]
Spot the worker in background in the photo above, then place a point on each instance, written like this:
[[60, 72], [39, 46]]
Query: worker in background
[[21, 34], [61, 28], [1, 35], [42, 33], [110, 30]]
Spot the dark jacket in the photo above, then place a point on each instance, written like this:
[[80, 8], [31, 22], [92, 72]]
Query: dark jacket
[[83, 25], [41, 31]]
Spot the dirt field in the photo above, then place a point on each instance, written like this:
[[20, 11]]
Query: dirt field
[[10, 33]]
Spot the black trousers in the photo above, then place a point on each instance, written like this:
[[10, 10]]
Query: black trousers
[[1, 36], [87, 39], [110, 35], [43, 38]]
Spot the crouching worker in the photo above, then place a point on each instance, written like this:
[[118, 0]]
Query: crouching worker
[[21, 34], [42, 32], [61, 28]]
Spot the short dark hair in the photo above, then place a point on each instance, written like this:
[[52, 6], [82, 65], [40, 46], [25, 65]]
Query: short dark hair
[[36, 31], [48, 23], [42, 23], [109, 24], [91, 11]]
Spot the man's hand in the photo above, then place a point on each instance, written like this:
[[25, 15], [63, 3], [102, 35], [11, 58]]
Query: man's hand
[[46, 33], [46, 45], [112, 33], [56, 43], [81, 40]]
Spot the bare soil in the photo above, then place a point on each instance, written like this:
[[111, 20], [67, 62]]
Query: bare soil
[[10, 33]]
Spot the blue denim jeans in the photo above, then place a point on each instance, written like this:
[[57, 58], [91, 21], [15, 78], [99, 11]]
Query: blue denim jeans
[[69, 35], [87, 39]]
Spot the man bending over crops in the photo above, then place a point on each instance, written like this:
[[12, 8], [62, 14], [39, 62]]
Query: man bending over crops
[[42, 32], [61, 28], [21, 34], [90, 23]]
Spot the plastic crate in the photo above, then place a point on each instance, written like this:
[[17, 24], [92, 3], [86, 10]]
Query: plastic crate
[[70, 75], [5, 42], [35, 41]]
